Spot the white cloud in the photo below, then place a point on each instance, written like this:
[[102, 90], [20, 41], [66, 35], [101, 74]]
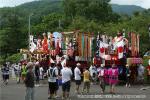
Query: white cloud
[[12, 3], [142, 3]]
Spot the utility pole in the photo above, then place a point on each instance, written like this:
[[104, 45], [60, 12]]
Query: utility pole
[[59, 24], [149, 31], [29, 30]]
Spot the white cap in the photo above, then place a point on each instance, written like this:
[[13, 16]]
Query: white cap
[[102, 65], [78, 64]]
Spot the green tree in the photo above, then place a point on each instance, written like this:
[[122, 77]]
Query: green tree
[[11, 36], [98, 10], [51, 22]]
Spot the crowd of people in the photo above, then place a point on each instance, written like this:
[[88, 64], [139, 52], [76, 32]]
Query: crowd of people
[[32, 72]]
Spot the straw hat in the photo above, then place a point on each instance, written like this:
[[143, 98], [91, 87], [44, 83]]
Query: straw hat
[[78, 64], [29, 65], [113, 65], [127, 65], [102, 65]]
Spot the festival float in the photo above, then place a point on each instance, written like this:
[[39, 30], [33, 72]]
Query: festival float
[[120, 50], [55, 47], [86, 48]]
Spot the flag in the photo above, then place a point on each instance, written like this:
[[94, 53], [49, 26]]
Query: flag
[[82, 44], [58, 59], [57, 47], [120, 46], [49, 39], [51, 60], [102, 49], [32, 46], [39, 44], [63, 62], [52, 52], [138, 44]]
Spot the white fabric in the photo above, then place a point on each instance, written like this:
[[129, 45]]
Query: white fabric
[[32, 44], [51, 78], [52, 61], [120, 44], [41, 70], [141, 70], [103, 45], [57, 71], [66, 74], [63, 62], [77, 73], [92, 70], [101, 72]]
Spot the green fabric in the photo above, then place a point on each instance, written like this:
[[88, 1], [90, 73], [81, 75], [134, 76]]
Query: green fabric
[[24, 70]]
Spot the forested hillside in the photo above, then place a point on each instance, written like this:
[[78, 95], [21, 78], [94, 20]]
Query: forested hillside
[[69, 15]]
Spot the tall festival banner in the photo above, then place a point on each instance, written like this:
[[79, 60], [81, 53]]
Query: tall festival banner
[[89, 49], [102, 50], [32, 46], [45, 43], [39, 43], [79, 39], [57, 46], [133, 44], [49, 40], [138, 44], [120, 46], [85, 47], [82, 44]]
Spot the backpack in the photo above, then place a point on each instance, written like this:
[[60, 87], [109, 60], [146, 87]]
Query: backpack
[[51, 72]]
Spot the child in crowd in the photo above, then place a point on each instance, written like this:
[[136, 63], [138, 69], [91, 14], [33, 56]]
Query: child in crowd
[[86, 79]]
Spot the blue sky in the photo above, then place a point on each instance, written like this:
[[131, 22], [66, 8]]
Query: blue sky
[[142, 3]]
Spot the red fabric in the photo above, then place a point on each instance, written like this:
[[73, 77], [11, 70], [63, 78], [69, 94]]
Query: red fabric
[[120, 49], [57, 48], [102, 50], [45, 44], [148, 70]]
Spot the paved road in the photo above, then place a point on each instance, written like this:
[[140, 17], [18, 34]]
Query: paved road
[[15, 91]]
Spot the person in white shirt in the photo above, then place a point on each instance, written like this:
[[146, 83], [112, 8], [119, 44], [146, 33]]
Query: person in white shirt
[[141, 73], [41, 73], [93, 73], [17, 69], [77, 74], [66, 73], [52, 74], [57, 83]]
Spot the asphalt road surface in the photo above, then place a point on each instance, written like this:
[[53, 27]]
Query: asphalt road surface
[[14, 91]]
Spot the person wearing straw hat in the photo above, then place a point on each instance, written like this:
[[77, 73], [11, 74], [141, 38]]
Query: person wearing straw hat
[[29, 82], [77, 74]]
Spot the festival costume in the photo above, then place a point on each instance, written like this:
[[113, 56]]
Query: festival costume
[[113, 76]]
